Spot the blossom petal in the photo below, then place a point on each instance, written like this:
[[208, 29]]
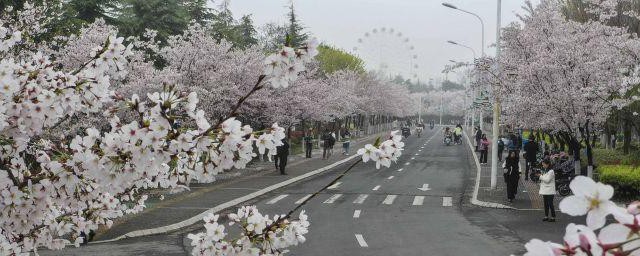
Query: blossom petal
[[574, 206], [596, 218], [582, 186]]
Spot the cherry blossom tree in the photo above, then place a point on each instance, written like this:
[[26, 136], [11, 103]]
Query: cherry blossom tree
[[563, 75]]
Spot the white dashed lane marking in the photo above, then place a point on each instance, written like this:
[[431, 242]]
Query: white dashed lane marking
[[332, 199], [276, 199], [361, 241], [360, 199], [376, 188], [418, 200], [400, 169], [335, 185], [407, 163], [303, 199], [447, 201], [390, 177], [389, 199], [356, 214]]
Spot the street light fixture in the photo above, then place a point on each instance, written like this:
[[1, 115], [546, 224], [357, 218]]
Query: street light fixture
[[465, 46], [468, 12]]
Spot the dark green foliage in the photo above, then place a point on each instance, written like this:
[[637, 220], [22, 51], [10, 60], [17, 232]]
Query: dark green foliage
[[240, 33], [296, 30], [168, 17]]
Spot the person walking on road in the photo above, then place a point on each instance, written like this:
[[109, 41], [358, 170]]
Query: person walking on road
[[531, 151], [346, 140], [308, 144], [332, 142], [282, 153], [484, 149], [511, 175], [326, 145], [548, 190], [478, 138]]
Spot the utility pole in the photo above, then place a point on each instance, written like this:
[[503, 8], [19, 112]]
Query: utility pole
[[496, 110]]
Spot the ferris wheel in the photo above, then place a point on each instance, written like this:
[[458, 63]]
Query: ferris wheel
[[388, 52]]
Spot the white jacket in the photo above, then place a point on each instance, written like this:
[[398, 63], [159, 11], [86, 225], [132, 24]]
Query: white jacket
[[548, 183]]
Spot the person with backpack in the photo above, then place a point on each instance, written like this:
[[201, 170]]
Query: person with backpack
[[326, 145], [308, 144], [478, 138], [282, 154], [511, 175], [500, 148], [346, 140], [531, 152]]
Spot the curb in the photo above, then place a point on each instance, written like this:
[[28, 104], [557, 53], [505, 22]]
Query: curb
[[474, 198], [195, 219]]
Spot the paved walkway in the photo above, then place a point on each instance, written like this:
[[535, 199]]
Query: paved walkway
[[230, 186], [527, 197]]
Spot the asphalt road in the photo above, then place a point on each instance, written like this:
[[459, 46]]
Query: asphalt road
[[383, 212]]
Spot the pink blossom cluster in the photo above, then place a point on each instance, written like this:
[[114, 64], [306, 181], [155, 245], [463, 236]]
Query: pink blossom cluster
[[261, 234], [383, 153], [592, 199]]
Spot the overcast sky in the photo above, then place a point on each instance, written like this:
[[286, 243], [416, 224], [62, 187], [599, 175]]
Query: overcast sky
[[426, 23]]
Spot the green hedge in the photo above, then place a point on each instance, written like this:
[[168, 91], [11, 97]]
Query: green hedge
[[625, 179], [615, 157]]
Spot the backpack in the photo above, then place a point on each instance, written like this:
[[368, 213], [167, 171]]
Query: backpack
[[500, 143]]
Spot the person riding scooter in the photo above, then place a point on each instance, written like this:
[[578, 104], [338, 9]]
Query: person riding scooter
[[448, 136], [419, 128], [406, 132], [457, 133]]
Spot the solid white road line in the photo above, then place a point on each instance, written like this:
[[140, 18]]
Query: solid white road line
[[447, 201], [389, 199], [360, 199], [356, 214], [418, 200], [276, 199], [376, 188], [390, 177], [332, 199], [400, 169], [335, 185], [303, 199], [361, 241]]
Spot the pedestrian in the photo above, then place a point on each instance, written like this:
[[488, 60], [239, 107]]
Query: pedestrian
[[332, 142], [484, 149], [308, 143], [548, 190], [511, 174], [500, 148], [478, 137], [614, 139], [531, 152], [326, 145], [282, 153], [346, 140], [518, 143]]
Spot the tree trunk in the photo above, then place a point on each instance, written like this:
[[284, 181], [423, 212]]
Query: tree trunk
[[626, 130]]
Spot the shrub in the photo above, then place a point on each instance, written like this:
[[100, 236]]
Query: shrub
[[625, 179]]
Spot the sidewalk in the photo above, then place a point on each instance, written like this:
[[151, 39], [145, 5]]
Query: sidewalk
[[168, 214], [527, 197]]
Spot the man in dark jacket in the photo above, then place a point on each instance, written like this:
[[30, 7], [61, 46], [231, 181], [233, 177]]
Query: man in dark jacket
[[308, 144], [282, 155], [531, 150], [326, 144]]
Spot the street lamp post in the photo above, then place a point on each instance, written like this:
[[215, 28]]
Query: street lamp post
[[496, 111], [476, 15]]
